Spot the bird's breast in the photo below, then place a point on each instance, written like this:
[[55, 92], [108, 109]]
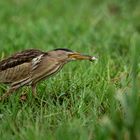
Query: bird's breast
[[46, 68]]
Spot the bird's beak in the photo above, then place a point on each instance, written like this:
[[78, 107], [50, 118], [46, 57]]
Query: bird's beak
[[78, 56]]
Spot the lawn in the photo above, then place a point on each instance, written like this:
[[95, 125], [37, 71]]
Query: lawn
[[84, 101]]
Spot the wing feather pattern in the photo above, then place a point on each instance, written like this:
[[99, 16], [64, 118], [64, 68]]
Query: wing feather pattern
[[20, 58]]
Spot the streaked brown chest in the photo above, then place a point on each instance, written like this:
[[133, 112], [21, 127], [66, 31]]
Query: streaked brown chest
[[46, 68]]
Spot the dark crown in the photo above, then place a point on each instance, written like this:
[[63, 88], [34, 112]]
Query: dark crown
[[63, 49]]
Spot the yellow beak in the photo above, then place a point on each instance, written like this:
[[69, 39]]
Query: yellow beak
[[78, 56]]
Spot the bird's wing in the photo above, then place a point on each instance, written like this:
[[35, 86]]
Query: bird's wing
[[19, 58]]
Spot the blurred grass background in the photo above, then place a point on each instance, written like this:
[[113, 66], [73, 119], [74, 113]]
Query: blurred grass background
[[84, 101]]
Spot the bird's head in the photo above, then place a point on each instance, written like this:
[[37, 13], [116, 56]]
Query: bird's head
[[69, 55]]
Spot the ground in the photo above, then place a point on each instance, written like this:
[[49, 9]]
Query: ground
[[85, 100]]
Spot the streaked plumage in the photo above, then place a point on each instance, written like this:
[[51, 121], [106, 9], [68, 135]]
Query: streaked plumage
[[30, 66]]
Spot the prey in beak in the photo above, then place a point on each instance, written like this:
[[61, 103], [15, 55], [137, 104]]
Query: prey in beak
[[78, 56]]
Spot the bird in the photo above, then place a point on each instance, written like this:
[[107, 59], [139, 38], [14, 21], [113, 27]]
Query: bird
[[28, 67]]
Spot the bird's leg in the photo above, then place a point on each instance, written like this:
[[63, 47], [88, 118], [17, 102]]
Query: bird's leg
[[8, 93], [33, 86]]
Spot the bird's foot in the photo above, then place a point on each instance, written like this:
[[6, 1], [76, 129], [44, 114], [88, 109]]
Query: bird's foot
[[23, 97]]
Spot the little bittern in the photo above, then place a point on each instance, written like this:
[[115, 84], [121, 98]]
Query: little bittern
[[30, 66]]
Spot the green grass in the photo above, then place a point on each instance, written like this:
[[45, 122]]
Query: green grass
[[85, 101]]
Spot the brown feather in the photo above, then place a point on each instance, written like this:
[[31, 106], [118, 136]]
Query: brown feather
[[19, 58], [30, 66], [16, 73], [43, 71]]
